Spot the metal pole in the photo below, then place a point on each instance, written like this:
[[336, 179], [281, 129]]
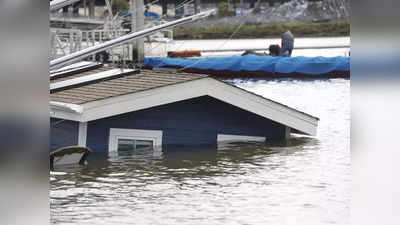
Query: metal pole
[[132, 7], [84, 8], [139, 27], [164, 7]]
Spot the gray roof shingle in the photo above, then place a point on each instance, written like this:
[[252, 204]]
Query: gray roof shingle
[[132, 83]]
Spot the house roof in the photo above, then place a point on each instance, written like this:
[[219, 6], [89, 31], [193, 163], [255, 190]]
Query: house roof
[[134, 91], [130, 83]]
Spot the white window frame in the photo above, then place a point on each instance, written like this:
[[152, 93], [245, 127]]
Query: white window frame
[[147, 135], [230, 137]]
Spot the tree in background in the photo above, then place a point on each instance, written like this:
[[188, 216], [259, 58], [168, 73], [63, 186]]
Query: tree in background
[[120, 6], [225, 9]]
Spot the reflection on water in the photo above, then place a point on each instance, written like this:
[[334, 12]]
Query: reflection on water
[[304, 180], [173, 160]]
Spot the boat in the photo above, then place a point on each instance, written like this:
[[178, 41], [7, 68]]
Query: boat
[[259, 66], [69, 155], [184, 53]]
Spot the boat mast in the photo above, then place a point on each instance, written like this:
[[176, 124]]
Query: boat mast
[[137, 24]]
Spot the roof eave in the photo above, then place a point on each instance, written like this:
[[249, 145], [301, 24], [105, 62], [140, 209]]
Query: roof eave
[[65, 111]]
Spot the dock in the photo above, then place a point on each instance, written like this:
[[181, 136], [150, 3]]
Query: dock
[[266, 49]]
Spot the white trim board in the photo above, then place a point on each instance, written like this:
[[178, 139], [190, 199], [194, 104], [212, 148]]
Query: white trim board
[[74, 67], [117, 133], [82, 134], [230, 137], [206, 86], [88, 78]]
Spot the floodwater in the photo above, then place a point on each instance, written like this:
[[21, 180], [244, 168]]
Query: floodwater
[[305, 180]]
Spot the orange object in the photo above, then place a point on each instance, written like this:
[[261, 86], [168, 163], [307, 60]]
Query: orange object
[[184, 53]]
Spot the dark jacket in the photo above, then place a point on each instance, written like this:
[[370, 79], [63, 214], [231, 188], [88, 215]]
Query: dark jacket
[[287, 40]]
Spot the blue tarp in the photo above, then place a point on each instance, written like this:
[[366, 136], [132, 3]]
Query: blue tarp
[[300, 64], [148, 14]]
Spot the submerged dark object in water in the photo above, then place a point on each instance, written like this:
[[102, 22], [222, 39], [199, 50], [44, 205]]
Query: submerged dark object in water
[[260, 66], [69, 155]]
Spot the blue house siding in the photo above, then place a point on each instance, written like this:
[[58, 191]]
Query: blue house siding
[[63, 133], [191, 122]]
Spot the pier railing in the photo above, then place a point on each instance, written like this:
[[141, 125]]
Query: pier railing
[[67, 41]]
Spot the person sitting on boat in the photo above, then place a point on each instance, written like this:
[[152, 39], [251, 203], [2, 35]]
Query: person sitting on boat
[[287, 44], [274, 50]]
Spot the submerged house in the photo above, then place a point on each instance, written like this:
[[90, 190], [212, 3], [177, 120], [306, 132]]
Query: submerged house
[[109, 109]]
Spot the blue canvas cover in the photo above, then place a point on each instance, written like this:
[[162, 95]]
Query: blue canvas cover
[[300, 64]]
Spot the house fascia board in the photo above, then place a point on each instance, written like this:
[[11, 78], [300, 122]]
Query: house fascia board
[[65, 111], [263, 107]]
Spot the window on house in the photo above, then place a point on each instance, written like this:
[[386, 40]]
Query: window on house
[[132, 144], [133, 139]]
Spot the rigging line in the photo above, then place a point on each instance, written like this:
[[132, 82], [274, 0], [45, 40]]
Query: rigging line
[[183, 3], [189, 2], [178, 48], [219, 47], [178, 7], [158, 45], [151, 3], [226, 41]]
